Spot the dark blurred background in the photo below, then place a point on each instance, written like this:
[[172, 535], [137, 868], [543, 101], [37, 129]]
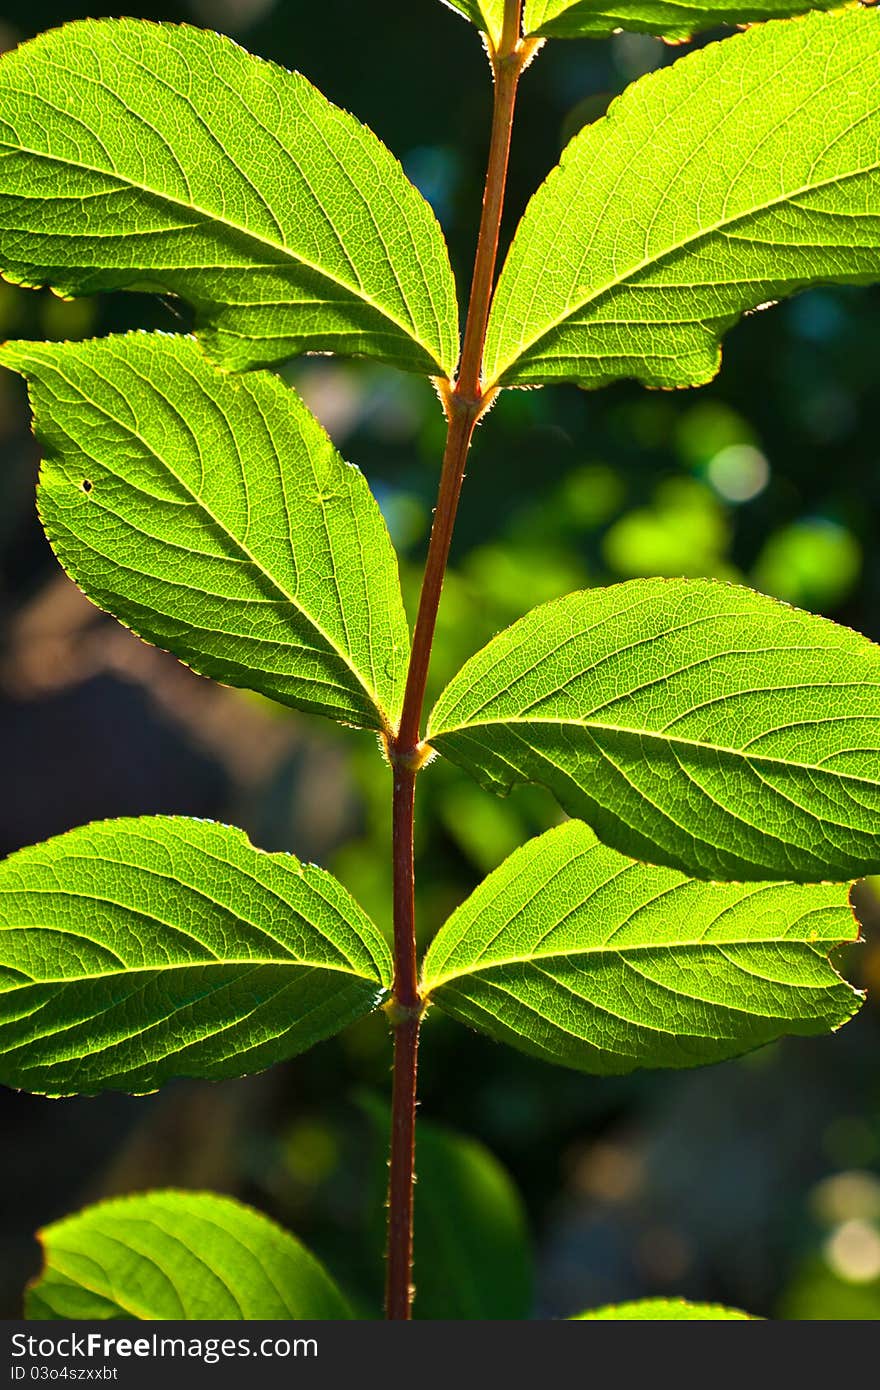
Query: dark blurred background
[[757, 1182]]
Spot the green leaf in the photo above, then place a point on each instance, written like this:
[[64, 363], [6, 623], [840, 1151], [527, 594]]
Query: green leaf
[[746, 171], [581, 957], [161, 157], [690, 722], [470, 1227], [488, 15], [134, 951], [210, 513], [671, 19], [177, 1255], [665, 1310]]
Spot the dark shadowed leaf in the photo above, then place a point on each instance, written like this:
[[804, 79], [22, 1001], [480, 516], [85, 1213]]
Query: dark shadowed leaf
[[474, 1259]]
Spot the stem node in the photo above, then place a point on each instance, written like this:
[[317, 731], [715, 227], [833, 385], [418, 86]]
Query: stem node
[[398, 1014], [411, 759]]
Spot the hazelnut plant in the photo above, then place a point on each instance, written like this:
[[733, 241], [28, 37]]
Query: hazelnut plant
[[717, 751]]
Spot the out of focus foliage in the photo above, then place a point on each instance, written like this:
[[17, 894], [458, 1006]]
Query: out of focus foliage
[[756, 1183]]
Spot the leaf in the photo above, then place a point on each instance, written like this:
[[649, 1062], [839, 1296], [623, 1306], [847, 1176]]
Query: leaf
[[665, 1310], [177, 1255], [579, 956], [161, 157], [746, 171], [488, 15], [676, 20], [690, 722], [133, 951], [470, 1227], [210, 513]]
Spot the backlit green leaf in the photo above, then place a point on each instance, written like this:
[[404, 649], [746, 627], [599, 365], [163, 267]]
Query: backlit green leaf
[[690, 722], [577, 955], [161, 157], [746, 171], [134, 951], [164, 1256], [665, 1310], [488, 15], [470, 1224], [210, 513], [673, 19]]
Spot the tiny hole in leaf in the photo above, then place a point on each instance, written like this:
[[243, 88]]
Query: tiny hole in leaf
[[86, 485]]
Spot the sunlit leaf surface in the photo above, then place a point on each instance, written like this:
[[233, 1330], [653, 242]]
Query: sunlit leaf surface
[[745, 171], [577, 955], [177, 1255], [134, 951], [162, 157], [690, 722], [211, 514]]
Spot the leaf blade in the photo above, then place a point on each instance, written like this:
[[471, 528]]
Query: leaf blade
[[177, 1255], [671, 19], [690, 722], [148, 156], [706, 193], [664, 1310], [487, 15], [218, 521], [577, 955], [137, 950]]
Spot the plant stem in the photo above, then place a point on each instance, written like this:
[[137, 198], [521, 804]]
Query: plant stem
[[398, 1274], [405, 1020], [465, 403], [462, 418]]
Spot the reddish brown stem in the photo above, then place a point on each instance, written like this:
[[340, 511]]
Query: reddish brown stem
[[462, 418], [507, 66], [406, 979], [398, 1272], [465, 402], [404, 1012]]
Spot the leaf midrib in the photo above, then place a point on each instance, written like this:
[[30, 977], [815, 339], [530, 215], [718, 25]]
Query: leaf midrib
[[618, 281], [209, 964], [429, 985], [660, 737]]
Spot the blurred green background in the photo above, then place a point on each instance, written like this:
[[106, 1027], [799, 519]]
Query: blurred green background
[[755, 1183]]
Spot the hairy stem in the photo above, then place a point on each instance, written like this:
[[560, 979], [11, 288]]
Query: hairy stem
[[398, 1273], [465, 401]]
